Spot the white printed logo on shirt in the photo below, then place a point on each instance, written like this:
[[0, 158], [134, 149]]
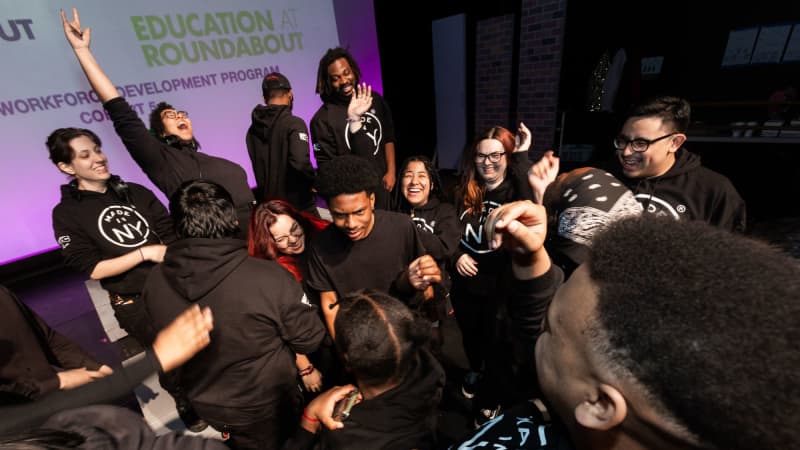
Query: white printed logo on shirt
[[123, 226], [372, 127]]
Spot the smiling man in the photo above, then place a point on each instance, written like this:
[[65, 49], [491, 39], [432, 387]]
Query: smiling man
[[336, 132], [365, 249], [664, 339], [665, 177]]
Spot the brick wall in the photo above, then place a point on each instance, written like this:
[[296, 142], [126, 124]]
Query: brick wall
[[493, 51], [540, 46], [541, 42]]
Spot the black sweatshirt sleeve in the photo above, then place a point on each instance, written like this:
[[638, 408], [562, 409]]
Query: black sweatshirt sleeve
[[162, 222], [443, 244], [103, 390], [518, 172], [301, 327], [144, 148], [325, 146], [299, 158], [77, 249], [529, 302]]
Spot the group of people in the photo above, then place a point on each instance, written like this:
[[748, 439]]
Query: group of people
[[611, 307]]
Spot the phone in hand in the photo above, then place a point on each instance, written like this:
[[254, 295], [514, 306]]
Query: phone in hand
[[343, 407]]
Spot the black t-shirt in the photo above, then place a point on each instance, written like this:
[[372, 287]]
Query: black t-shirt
[[338, 264]]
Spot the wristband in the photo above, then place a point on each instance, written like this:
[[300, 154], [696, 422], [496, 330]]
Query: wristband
[[349, 120], [307, 370], [141, 253], [308, 418]]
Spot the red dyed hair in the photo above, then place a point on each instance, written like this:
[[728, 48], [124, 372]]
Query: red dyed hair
[[260, 243], [472, 188]]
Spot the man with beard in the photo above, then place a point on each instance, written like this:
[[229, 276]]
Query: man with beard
[[277, 143], [338, 128]]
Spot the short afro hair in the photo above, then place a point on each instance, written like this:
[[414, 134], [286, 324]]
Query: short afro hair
[[707, 322], [347, 174]]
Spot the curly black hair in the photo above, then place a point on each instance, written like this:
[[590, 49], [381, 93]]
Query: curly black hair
[[347, 174], [324, 87], [379, 336], [708, 322]]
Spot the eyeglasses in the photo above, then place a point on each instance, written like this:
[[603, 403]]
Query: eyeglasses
[[294, 235], [492, 157], [639, 145], [170, 114]]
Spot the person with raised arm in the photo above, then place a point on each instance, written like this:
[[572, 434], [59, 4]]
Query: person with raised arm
[[168, 152]]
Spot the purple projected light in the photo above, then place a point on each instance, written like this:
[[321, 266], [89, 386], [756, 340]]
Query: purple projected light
[[31, 182]]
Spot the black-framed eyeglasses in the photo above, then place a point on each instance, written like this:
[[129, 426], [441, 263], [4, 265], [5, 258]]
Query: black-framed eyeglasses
[[638, 145], [169, 114], [492, 157]]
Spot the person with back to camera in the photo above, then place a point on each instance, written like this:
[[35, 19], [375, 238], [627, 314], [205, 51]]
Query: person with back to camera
[[168, 153], [282, 233], [245, 382], [114, 232], [399, 382], [277, 143], [495, 167], [353, 120]]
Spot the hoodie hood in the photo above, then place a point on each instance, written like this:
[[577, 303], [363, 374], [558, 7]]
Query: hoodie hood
[[264, 118], [195, 266], [685, 161]]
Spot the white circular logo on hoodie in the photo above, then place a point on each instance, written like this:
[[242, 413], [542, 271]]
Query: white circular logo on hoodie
[[123, 226]]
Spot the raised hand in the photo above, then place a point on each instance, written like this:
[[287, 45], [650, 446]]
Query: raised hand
[[523, 138], [360, 102], [541, 174], [77, 37], [520, 226]]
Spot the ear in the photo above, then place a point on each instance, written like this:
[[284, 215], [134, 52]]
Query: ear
[[604, 412], [677, 142], [372, 200], [66, 168]]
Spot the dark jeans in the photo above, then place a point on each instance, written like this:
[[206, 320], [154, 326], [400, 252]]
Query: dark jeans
[[132, 315]]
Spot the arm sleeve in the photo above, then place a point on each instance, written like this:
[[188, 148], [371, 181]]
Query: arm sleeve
[[255, 160], [162, 222], [730, 213], [68, 354], [529, 301], [78, 251], [325, 147], [388, 122], [299, 158], [519, 176], [144, 148], [300, 325], [103, 390], [318, 278], [443, 244]]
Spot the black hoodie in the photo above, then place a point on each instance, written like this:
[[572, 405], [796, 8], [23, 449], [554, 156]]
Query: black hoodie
[[170, 164], [92, 227], [261, 318], [401, 418], [689, 191], [277, 143], [331, 132]]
